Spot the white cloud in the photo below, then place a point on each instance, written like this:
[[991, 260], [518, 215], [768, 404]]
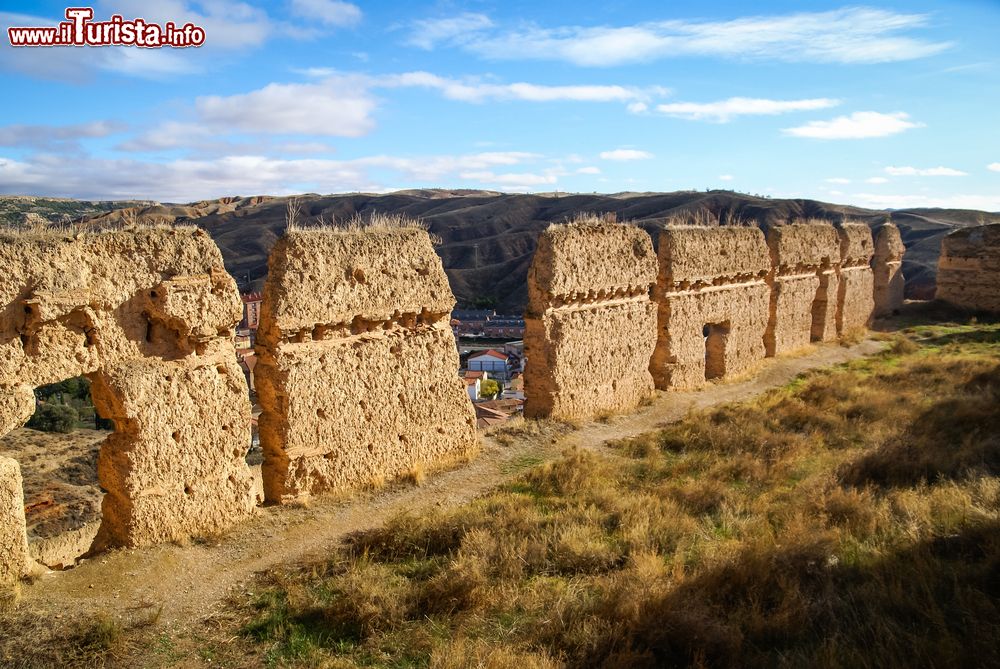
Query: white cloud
[[200, 140], [876, 180], [230, 25], [49, 136], [994, 167], [186, 180], [66, 64], [168, 135], [838, 180], [227, 24], [521, 181], [725, 110], [958, 201], [478, 91], [726, 177], [427, 33], [625, 154], [434, 168], [337, 106], [847, 35], [329, 12], [926, 172], [859, 125], [590, 169], [637, 107], [474, 89]]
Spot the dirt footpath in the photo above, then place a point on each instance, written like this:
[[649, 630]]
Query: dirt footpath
[[190, 582]]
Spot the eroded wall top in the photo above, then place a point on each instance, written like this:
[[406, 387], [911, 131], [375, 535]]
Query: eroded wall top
[[974, 243], [856, 246], [700, 254], [332, 276], [889, 244], [803, 245], [585, 260], [69, 304]]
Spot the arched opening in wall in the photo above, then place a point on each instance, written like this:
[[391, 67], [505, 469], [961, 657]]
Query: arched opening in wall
[[255, 454], [57, 452], [716, 337]]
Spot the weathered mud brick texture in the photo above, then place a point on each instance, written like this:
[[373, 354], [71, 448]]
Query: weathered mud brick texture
[[357, 364], [804, 286], [591, 323], [969, 269], [887, 267], [713, 304], [147, 315], [856, 300], [13, 538]]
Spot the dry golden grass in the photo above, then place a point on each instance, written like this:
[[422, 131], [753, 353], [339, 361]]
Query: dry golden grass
[[704, 218], [375, 220], [589, 218], [849, 519], [518, 430], [45, 231]]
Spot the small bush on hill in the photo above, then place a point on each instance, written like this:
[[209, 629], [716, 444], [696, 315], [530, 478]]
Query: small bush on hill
[[54, 418]]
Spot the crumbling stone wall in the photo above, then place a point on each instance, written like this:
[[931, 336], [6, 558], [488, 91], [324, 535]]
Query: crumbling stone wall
[[13, 537], [713, 304], [147, 315], [591, 324], [969, 269], [887, 268], [804, 286], [357, 364], [856, 295]]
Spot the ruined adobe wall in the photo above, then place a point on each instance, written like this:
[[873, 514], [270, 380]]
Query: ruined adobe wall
[[969, 269], [887, 270], [710, 275], [13, 537], [804, 285], [356, 370], [856, 296], [591, 325], [147, 315]]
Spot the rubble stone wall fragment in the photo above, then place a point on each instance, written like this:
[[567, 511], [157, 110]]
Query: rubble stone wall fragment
[[710, 279], [856, 300], [804, 259], [357, 363], [887, 268], [969, 269], [591, 323], [147, 315], [13, 536]]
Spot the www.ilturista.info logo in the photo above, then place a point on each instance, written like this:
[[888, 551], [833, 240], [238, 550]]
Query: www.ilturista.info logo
[[79, 30]]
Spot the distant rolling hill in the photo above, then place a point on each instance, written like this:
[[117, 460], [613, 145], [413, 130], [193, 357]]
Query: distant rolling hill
[[488, 238]]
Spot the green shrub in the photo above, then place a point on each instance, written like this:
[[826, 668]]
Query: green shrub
[[54, 418], [489, 388]]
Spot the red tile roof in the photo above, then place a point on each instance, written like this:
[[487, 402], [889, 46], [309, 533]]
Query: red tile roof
[[491, 353]]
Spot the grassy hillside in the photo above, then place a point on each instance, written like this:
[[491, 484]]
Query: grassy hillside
[[849, 519], [15, 210]]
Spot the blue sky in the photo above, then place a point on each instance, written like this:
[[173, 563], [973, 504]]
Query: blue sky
[[884, 104]]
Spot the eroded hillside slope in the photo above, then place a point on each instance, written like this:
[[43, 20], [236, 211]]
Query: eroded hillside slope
[[488, 238]]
